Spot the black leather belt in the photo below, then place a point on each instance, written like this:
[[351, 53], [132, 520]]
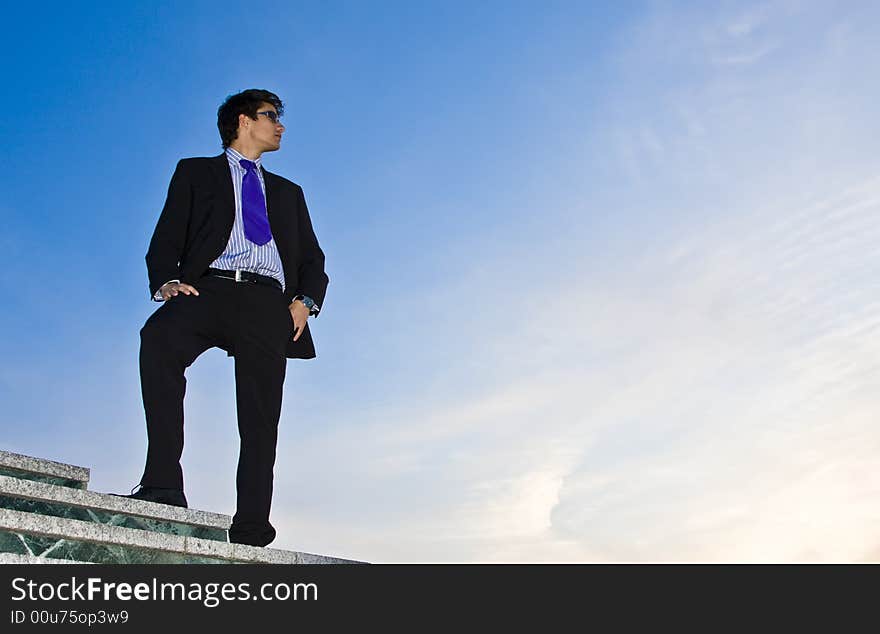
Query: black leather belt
[[244, 276]]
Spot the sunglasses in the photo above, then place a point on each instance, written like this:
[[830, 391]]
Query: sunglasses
[[271, 115]]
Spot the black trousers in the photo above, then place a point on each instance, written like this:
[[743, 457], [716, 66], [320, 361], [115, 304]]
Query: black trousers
[[252, 322]]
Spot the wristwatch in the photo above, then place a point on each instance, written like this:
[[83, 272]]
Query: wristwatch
[[309, 303]]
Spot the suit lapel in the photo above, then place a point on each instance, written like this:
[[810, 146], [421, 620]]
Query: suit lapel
[[273, 207], [270, 193], [278, 220], [226, 200]]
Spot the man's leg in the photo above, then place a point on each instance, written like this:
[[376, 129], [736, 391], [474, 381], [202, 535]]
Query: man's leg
[[171, 339], [260, 367]]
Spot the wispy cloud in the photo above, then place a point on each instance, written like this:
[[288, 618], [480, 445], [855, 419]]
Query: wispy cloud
[[711, 401], [709, 397]]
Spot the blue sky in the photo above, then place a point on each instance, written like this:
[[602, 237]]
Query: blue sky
[[603, 280]]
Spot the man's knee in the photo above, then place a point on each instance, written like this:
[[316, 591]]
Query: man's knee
[[154, 331], [160, 334]]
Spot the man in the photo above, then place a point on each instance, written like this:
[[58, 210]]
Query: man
[[237, 265]]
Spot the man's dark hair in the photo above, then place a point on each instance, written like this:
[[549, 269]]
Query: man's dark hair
[[246, 102]]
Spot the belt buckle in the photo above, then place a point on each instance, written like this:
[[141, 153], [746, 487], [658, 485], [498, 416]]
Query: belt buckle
[[237, 275]]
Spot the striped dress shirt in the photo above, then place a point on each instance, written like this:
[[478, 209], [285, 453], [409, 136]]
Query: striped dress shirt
[[241, 253]]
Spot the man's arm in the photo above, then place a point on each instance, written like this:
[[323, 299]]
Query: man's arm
[[169, 237], [313, 280]]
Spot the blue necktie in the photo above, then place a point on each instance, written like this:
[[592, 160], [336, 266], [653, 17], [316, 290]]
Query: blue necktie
[[253, 206]]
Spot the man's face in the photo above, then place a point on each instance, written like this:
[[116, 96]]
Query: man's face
[[265, 134]]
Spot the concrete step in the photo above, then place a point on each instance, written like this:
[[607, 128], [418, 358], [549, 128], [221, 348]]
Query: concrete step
[[12, 558], [102, 508], [47, 536], [41, 470]]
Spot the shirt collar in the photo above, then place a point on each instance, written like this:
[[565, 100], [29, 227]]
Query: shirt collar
[[235, 157]]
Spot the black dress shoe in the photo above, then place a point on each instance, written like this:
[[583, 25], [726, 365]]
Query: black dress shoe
[[173, 497], [251, 533]]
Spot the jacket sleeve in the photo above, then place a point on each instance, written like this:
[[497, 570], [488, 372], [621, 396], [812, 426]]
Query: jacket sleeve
[[169, 237], [313, 280]]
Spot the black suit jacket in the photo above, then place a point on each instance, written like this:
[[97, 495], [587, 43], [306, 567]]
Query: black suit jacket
[[196, 222]]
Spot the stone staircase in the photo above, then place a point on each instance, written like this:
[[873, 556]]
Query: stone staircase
[[48, 515]]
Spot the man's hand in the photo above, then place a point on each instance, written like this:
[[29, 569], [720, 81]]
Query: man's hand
[[300, 315], [171, 289]]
